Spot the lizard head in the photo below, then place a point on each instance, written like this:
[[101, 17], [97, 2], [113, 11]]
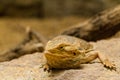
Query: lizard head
[[67, 49]]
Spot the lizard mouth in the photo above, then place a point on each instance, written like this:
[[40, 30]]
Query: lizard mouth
[[58, 56]]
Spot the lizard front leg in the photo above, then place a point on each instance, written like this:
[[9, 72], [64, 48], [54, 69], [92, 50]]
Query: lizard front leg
[[102, 57]]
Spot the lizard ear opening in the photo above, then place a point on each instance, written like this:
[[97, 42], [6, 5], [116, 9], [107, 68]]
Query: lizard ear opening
[[74, 53]]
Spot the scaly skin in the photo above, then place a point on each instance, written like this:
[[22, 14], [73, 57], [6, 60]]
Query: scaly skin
[[64, 52]]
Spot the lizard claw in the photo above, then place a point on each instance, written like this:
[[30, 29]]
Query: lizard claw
[[109, 65], [46, 68]]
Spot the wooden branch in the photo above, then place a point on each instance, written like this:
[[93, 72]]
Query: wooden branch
[[103, 25], [31, 43]]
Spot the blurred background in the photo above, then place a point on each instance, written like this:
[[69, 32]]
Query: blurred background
[[53, 8], [48, 17]]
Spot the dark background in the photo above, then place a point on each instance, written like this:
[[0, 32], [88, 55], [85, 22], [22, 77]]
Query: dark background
[[53, 8]]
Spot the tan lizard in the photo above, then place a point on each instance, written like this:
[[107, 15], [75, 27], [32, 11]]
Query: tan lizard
[[64, 52]]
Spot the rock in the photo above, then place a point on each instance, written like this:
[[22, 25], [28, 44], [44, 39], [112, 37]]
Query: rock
[[28, 67]]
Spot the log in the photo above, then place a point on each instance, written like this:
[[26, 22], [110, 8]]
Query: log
[[103, 25], [31, 43]]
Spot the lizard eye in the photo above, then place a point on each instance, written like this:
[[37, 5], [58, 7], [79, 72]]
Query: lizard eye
[[61, 48]]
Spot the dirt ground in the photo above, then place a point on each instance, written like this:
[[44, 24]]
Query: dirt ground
[[12, 30]]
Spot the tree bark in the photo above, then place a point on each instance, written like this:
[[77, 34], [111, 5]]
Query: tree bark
[[31, 43], [101, 26]]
